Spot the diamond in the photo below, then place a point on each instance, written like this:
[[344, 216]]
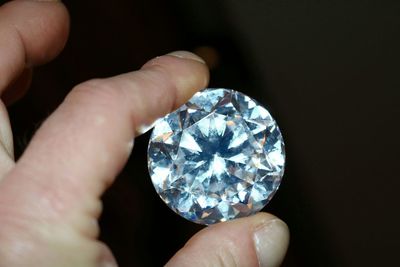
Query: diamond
[[218, 157]]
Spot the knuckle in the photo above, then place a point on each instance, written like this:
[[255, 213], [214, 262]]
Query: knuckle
[[97, 92]]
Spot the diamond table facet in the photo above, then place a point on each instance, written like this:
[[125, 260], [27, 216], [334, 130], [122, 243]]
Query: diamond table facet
[[218, 157]]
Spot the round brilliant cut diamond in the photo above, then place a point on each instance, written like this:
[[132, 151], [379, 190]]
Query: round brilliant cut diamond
[[218, 157]]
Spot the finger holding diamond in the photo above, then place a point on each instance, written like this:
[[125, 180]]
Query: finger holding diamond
[[80, 149], [256, 241]]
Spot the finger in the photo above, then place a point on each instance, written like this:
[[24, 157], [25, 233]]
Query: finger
[[260, 240], [32, 33], [81, 148]]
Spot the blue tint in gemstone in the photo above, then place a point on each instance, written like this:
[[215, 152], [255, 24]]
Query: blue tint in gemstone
[[218, 157]]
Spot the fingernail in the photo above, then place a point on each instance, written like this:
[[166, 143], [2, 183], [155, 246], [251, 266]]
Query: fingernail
[[187, 55], [271, 240]]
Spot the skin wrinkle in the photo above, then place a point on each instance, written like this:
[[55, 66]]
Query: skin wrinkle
[[225, 255]]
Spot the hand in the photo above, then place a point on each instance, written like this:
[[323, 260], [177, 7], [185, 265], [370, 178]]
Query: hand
[[50, 198]]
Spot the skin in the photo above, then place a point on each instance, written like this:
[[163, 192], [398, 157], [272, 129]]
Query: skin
[[50, 197]]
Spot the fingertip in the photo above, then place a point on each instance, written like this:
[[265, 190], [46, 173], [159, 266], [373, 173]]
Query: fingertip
[[259, 240], [53, 30], [42, 27], [186, 55], [271, 239]]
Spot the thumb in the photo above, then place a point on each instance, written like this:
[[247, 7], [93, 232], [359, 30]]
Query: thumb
[[260, 240]]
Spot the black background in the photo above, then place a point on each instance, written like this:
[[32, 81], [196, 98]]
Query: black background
[[327, 70]]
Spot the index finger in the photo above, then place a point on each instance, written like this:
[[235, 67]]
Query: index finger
[[81, 148]]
